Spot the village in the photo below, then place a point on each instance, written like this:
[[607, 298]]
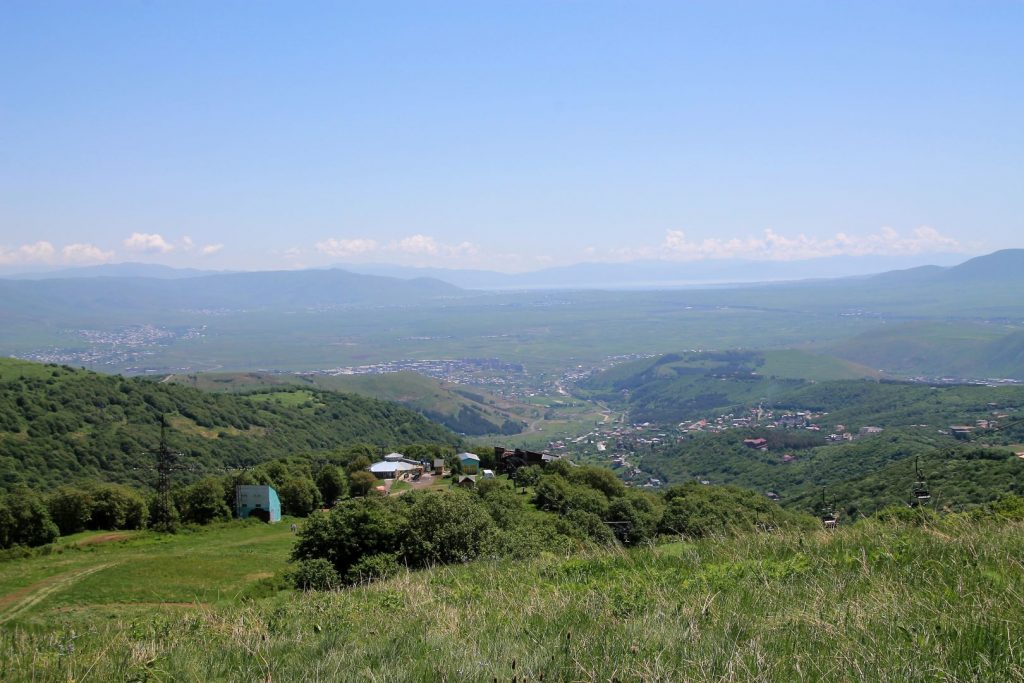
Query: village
[[621, 445]]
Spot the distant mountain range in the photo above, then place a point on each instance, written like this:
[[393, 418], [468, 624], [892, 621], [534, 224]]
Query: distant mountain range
[[254, 291], [649, 274], [127, 269], [663, 274]]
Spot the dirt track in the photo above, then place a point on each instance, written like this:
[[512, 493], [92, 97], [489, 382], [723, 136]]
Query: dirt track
[[24, 599]]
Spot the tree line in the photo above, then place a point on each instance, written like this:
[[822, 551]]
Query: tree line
[[304, 483], [559, 508]]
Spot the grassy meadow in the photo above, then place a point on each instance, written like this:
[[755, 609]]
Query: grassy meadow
[[100, 573], [869, 602]]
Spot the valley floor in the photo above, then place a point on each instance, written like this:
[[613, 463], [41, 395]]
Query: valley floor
[[870, 602]]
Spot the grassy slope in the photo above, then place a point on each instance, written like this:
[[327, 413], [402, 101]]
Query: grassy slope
[[127, 573], [960, 349], [869, 602], [792, 363], [12, 368]]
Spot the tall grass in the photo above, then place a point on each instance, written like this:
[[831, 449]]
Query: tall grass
[[872, 602]]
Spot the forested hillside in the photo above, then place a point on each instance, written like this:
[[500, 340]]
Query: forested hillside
[[956, 478], [59, 425], [473, 413]]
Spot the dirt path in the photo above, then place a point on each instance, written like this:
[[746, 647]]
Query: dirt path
[[20, 601], [107, 538]]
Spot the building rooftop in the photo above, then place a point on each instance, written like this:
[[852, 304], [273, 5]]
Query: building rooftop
[[391, 466]]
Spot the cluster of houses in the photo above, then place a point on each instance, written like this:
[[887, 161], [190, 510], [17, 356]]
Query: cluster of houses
[[262, 502], [397, 467]]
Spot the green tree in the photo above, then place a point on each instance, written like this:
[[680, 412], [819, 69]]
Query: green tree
[[585, 526], [70, 509], [361, 483], [117, 507], [599, 478], [299, 496], [358, 464], [163, 514], [586, 500], [550, 493], [203, 502], [333, 484], [6, 526], [527, 476], [26, 519], [506, 507]]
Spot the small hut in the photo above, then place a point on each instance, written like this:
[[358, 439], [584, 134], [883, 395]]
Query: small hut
[[470, 463], [260, 502]]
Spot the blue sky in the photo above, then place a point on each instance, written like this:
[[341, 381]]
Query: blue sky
[[507, 135]]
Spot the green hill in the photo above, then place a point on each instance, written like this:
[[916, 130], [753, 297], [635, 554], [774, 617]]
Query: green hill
[[956, 478], [471, 412], [58, 425], [694, 384], [724, 459]]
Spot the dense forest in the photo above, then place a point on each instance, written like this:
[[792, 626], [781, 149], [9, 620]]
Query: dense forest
[[60, 425]]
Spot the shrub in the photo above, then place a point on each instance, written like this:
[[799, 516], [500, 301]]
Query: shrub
[[585, 526], [353, 530], [373, 568], [316, 574], [446, 528], [695, 510]]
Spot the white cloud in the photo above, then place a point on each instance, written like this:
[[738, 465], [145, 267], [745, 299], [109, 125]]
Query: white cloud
[[426, 245], [413, 247], [85, 253], [774, 246], [460, 250], [44, 252], [186, 243], [417, 244], [37, 252], [211, 249], [147, 242], [341, 248]]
